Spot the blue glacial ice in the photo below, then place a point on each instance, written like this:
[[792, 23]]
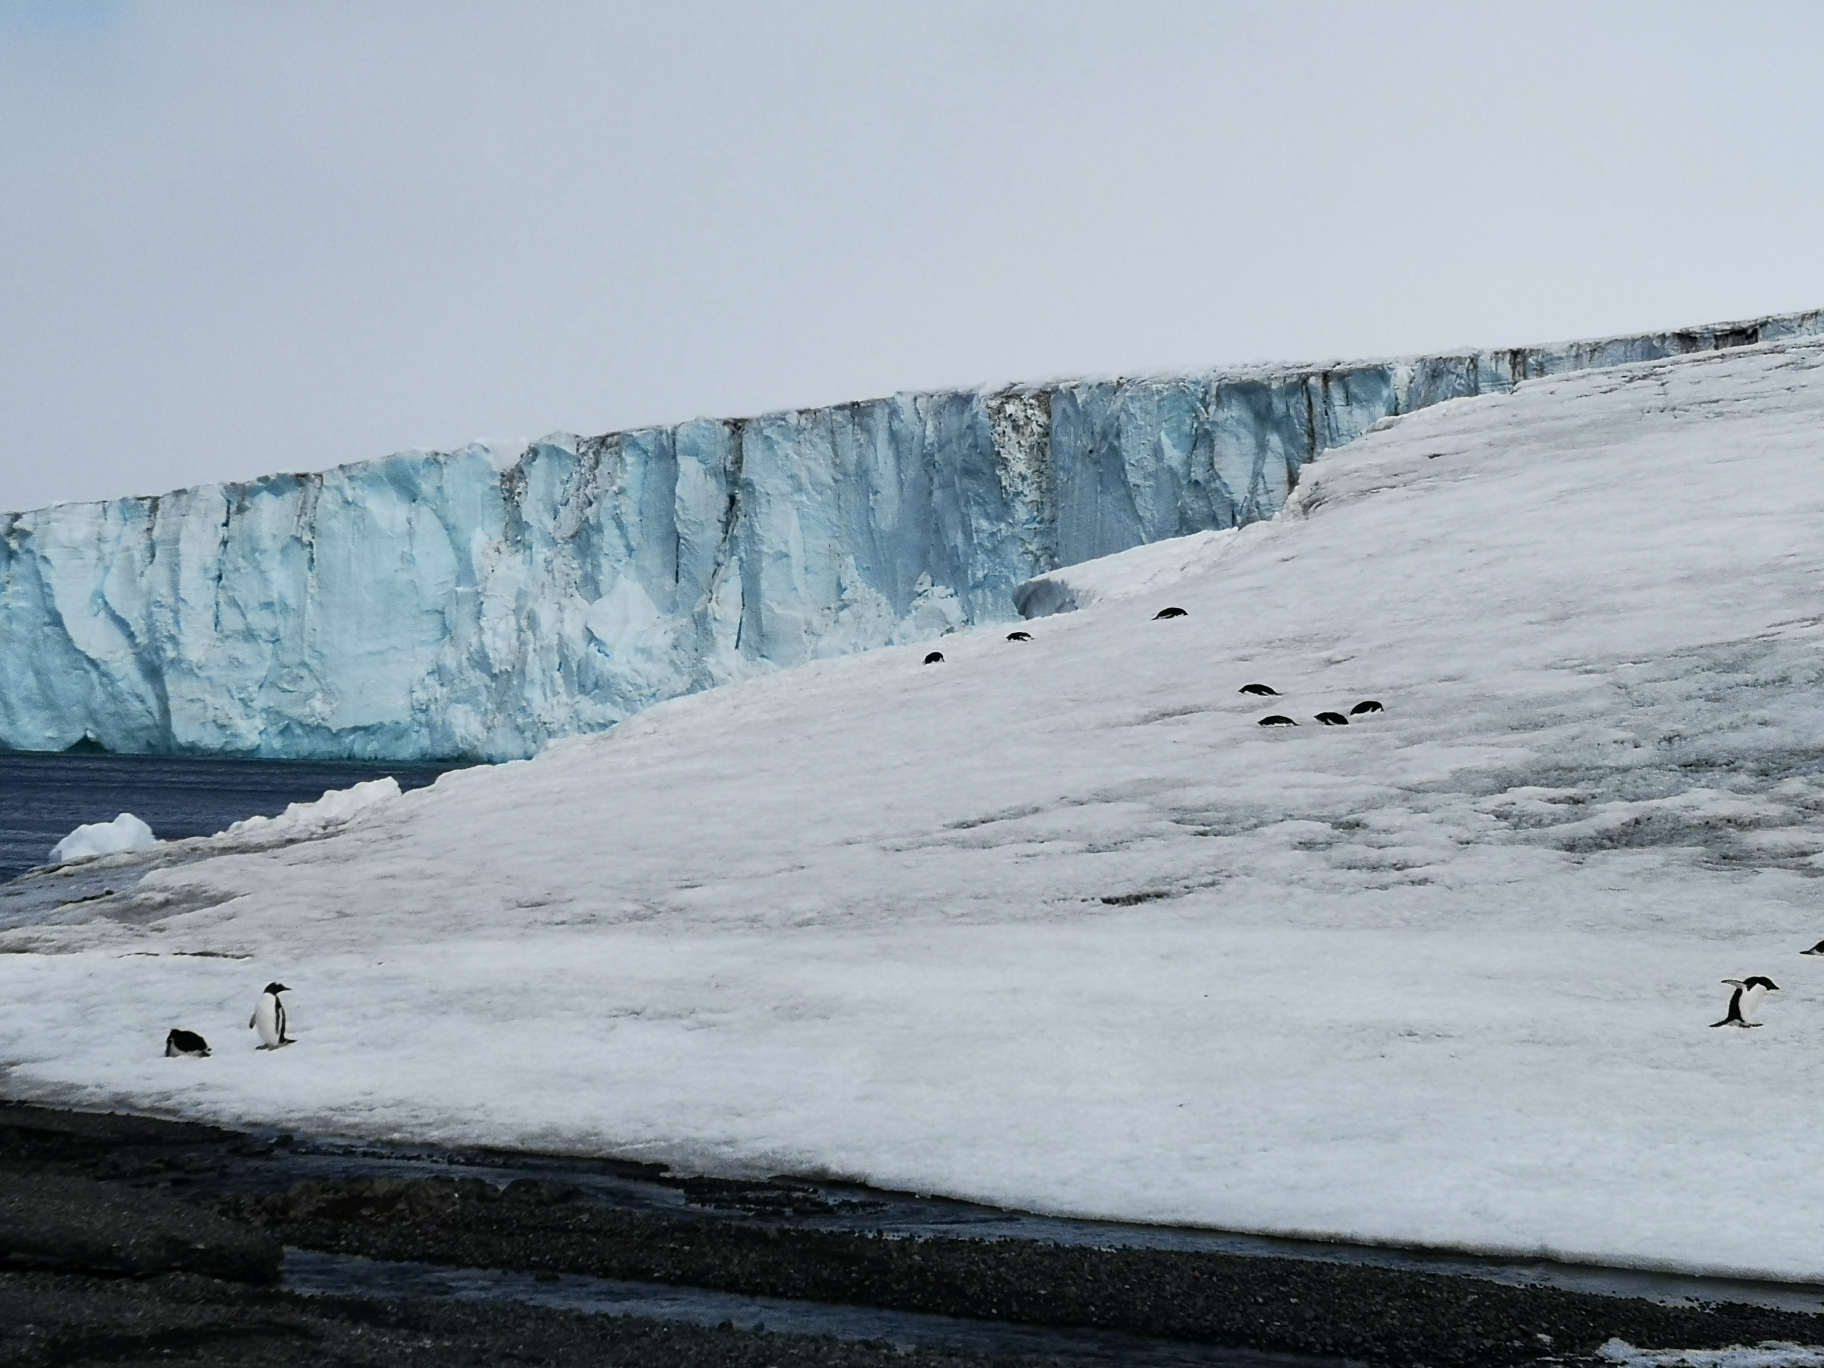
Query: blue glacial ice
[[436, 604]]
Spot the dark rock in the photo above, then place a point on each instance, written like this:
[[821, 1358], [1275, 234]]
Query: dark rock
[[47, 1221]]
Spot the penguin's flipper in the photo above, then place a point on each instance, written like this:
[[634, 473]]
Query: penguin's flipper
[[250, 1020]]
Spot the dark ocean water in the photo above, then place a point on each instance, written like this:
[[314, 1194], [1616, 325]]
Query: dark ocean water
[[45, 797]]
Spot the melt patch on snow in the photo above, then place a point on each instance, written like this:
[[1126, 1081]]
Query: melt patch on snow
[[126, 832]]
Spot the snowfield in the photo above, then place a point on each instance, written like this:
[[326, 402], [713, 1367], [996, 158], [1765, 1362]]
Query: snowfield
[[1056, 925]]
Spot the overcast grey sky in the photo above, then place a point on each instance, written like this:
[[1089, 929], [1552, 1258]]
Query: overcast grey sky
[[239, 237]]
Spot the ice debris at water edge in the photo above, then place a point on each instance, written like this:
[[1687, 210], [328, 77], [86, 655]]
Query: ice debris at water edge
[[434, 605], [126, 832]]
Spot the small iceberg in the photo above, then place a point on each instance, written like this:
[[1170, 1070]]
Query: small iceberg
[[126, 832]]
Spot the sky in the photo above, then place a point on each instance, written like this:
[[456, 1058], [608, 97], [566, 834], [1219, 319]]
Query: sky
[[238, 238]]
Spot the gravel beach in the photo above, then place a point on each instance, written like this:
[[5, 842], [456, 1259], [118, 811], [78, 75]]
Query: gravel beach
[[122, 1240]]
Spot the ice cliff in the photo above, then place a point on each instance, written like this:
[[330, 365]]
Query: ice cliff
[[437, 605]]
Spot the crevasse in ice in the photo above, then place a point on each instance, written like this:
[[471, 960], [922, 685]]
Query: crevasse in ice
[[435, 605]]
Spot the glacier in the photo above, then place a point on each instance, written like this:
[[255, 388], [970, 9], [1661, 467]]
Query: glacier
[[458, 605], [1057, 926]]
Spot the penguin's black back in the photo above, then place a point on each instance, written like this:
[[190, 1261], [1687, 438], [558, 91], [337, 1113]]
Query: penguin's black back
[[1169, 613], [1277, 721], [1259, 691], [182, 1042], [1734, 1014], [1333, 719], [1367, 705], [935, 658], [1019, 636]]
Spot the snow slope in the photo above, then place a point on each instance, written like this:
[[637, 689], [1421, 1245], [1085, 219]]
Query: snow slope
[[1056, 925], [479, 602]]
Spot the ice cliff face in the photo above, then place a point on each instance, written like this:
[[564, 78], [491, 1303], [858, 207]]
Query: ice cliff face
[[435, 605]]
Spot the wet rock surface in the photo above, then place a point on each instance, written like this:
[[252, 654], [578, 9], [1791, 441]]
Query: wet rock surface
[[180, 1319], [84, 1226], [1324, 1311], [1282, 1305]]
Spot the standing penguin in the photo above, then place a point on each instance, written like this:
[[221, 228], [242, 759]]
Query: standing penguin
[[269, 1018], [1747, 996]]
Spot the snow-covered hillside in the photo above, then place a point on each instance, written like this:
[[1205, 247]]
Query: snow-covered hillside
[[1056, 924], [480, 602]]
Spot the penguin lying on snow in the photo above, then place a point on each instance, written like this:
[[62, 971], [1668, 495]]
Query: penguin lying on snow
[[1019, 636], [269, 1018], [1277, 721], [1367, 705], [1169, 613], [1817, 949], [1747, 996], [935, 658], [188, 1044], [1259, 691], [1333, 719]]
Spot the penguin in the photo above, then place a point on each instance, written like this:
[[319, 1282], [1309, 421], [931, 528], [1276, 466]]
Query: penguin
[[188, 1044], [1259, 691], [1333, 719], [1277, 721], [1019, 636], [1169, 613], [269, 1018], [1367, 705], [1817, 949], [1747, 996], [935, 658]]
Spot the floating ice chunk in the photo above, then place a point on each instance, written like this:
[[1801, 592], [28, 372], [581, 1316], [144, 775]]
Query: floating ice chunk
[[125, 832], [337, 807]]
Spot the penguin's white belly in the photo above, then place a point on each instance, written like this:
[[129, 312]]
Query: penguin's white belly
[[269, 1021]]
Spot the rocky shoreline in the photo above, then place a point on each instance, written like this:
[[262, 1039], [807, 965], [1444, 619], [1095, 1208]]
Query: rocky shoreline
[[119, 1244]]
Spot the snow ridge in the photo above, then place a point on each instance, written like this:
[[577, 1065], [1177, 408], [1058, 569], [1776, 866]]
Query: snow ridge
[[434, 604]]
